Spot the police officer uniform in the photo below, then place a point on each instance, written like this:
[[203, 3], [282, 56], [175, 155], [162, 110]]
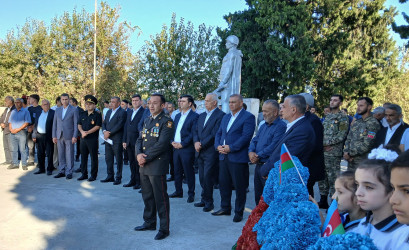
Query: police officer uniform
[[154, 141], [89, 144]]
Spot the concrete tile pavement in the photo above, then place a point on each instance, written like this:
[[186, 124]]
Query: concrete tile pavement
[[41, 212]]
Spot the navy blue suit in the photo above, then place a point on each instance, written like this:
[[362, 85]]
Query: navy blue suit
[[234, 169], [183, 158], [131, 134], [300, 141], [208, 158]]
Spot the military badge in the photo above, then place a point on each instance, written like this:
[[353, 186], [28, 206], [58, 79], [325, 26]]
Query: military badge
[[371, 134], [92, 122], [157, 124], [170, 124]]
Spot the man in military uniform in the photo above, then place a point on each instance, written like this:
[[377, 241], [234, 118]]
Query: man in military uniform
[[361, 136], [335, 132], [89, 124], [152, 153]]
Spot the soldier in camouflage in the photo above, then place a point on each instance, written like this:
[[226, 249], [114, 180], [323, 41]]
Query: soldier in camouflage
[[361, 137], [336, 125]]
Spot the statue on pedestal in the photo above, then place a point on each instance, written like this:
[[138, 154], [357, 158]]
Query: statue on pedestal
[[230, 73]]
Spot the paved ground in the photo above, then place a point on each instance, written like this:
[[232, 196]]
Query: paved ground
[[41, 212]]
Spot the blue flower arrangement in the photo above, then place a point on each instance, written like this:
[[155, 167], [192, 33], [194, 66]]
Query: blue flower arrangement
[[291, 221], [352, 241]]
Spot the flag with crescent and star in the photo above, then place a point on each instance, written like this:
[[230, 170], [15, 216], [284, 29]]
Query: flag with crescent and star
[[333, 224]]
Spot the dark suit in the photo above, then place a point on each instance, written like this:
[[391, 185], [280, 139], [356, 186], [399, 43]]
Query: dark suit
[[395, 139], [316, 163], [154, 141], [6, 134], [300, 141], [78, 153], [131, 134], [115, 125], [208, 157], [234, 168], [146, 114], [44, 142], [183, 158]]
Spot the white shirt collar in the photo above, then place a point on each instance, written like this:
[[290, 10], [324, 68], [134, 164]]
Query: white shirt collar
[[290, 124], [237, 114]]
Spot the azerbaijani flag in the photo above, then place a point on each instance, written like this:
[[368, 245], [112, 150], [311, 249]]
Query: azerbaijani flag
[[332, 224], [285, 160]]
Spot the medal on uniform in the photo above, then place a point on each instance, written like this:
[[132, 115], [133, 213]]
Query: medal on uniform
[[157, 124], [92, 122]]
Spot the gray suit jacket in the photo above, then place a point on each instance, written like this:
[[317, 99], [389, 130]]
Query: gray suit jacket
[[66, 127]]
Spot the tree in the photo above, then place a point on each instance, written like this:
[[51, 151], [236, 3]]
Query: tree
[[180, 60], [402, 30], [59, 58], [258, 71]]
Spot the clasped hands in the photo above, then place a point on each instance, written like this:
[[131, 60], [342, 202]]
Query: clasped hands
[[141, 159], [223, 149], [177, 145]]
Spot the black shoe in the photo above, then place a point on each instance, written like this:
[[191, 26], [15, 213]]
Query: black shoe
[[171, 178], [117, 182], [145, 227], [237, 218], [13, 166], [69, 176], [222, 212], [140, 191], [176, 195], [83, 177], [126, 163], [216, 186], [199, 204], [208, 208], [91, 179], [49, 172], [161, 235], [59, 175], [137, 186], [128, 185], [323, 204], [108, 180], [40, 172], [190, 199], [78, 170], [30, 163]]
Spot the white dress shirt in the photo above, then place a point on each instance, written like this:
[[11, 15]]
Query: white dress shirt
[[290, 124], [64, 111], [134, 111], [208, 114], [182, 119], [42, 119], [390, 132], [113, 112]]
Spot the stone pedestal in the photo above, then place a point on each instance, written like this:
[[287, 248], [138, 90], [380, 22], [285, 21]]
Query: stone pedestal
[[253, 105]]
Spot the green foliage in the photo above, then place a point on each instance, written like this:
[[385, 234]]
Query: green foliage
[[323, 46], [402, 30], [180, 60], [56, 59]]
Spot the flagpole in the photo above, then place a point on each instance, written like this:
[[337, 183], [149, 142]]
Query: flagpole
[[95, 47], [295, 165]]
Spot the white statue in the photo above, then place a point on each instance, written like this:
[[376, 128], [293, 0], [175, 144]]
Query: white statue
[[230, 73]]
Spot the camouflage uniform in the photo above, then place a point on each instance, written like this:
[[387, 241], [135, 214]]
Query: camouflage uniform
[[361, 140], [335, 133]]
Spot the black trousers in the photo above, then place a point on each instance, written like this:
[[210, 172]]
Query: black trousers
[[233, 174], [172, 166], [78, 153], [184, 160], [89, 146], [259, 183], [156, 200], [111, 151], [45, 147], [208, 165], [133, 165]]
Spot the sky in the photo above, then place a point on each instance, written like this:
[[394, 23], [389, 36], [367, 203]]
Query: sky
[[148, 15]]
